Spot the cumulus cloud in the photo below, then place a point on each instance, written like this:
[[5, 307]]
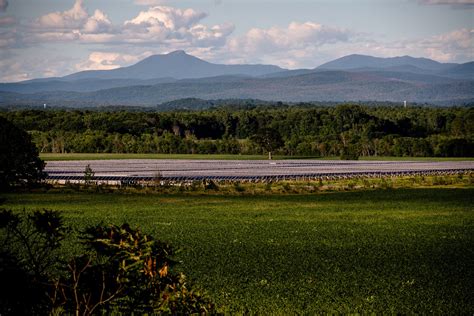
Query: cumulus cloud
[[75, 24], [168, 17], [307, 45], [455, 45], [158, 25], [292, 46], [178, 28], [71, 19], [296, 35], [109, 60], [3, 5], [98, 23]]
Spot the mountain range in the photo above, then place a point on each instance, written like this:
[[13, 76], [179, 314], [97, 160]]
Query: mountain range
[[177, 75]]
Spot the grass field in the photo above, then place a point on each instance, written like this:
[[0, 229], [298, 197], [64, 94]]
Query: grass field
[[101, 156], [403, 250]]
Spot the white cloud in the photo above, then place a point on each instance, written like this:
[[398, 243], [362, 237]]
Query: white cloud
[[158, 25], [169, 17], [109, 60], [98, 23], [203, 36], [307, 45], [75, 24], [293, 46], [175, 28], [149, 2], [3, 5], [295, 36], [452, 46], [71, 19]]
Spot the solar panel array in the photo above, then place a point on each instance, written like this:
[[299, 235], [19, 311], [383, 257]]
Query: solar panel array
[[251, 170]]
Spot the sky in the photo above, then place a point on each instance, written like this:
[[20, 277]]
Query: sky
[[48, 38]]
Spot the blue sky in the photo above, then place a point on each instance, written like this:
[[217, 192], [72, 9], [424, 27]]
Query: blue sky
[[43, 38]]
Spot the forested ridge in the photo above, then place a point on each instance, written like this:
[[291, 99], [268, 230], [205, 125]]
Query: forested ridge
[[296, 131]]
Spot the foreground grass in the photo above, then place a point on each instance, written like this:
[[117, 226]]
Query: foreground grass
[[403, 250], [103, 156]]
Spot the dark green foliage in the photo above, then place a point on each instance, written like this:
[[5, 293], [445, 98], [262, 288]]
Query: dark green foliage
[[299, 130], [210, 185], [29, 254], [19, 161], [268, 138], [349, 153], [238, 187], [88, 175], [121, 270]]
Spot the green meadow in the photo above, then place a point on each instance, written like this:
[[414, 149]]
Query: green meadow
[[385, 251]]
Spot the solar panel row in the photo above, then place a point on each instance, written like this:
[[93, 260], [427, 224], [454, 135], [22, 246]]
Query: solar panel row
[[189, 170]]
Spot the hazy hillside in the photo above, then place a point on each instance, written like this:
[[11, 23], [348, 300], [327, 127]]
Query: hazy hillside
[[81, 85], [318, 86], [351, 78], [463, 71]]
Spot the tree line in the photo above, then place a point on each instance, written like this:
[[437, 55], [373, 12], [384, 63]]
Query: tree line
[[352, 130]]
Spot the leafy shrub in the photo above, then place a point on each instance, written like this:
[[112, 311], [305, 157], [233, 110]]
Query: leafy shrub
[[386, 183], [122, 270], [238, 187], [286, 187], [349, 153], [268, 186], [210, 185]]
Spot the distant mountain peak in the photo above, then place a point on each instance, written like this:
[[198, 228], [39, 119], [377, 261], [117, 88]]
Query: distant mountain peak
[[178, 65], [173, 54], [177, 52], [357, 61]]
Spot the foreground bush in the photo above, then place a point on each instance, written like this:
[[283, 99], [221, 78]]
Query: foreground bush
[[121, 270]]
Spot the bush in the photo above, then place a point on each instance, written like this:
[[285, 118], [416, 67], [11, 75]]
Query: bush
[[349, 153], [238, 187], [210, 185], [121, 270]]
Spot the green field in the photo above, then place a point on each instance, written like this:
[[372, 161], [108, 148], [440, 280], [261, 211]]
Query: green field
[[102, 156], [402, 250]]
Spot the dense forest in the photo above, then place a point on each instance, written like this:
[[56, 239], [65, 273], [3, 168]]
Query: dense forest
[[356, 130]]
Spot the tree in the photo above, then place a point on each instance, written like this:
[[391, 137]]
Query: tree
[[269, 139], [88, 175], [19, 160]]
